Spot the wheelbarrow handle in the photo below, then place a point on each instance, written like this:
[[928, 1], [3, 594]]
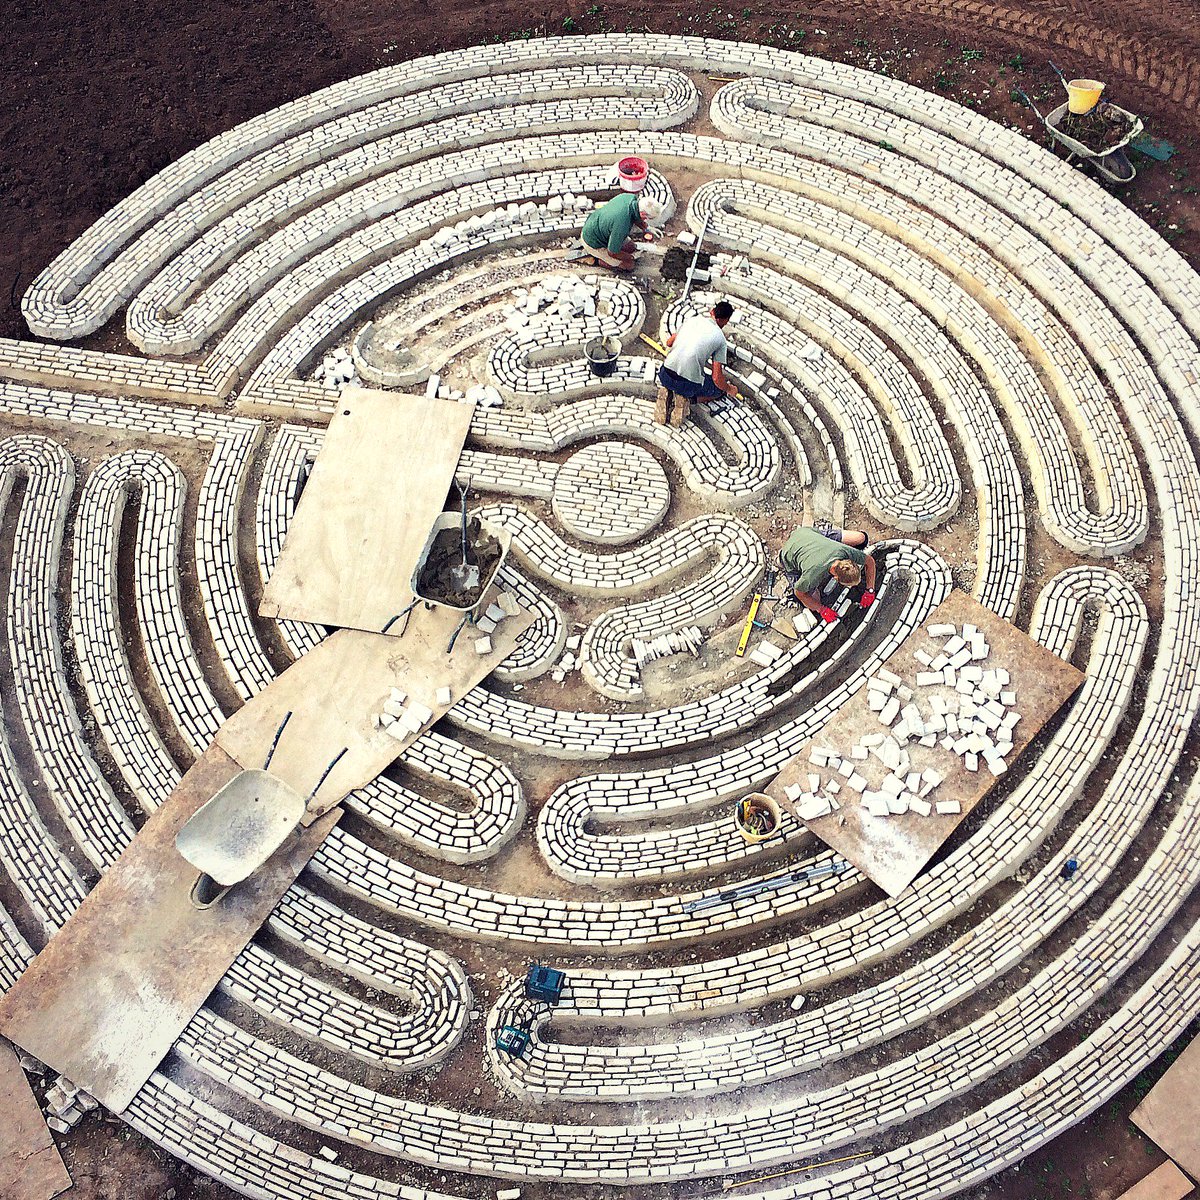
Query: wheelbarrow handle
[[278, 734], [1030, 103], [325, 774]]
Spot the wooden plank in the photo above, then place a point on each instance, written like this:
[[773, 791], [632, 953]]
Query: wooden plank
[[1165, 1182], [891, 851], [31, 1167], [106, 999], [336, 690], [382, 476], [1170, 1114]]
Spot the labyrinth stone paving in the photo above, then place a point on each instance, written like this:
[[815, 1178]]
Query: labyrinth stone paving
[[931, 312]]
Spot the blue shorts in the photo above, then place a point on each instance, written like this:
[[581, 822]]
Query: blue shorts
[[704, 390]]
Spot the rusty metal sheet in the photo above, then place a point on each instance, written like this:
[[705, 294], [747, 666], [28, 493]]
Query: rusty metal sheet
[[31, 1167], [1170, 1114], [892, 851], [106, 999]]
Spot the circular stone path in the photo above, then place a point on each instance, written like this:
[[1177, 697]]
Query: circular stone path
[[941, 332], [611, 492]]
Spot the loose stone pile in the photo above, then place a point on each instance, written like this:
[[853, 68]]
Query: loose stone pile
[[930, 312]]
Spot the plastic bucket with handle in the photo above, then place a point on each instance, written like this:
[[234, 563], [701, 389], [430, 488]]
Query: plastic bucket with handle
[[1083, 94], [632, 172], [757, 817]]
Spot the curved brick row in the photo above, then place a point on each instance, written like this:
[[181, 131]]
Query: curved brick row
[[102, 269], [543, 358], [74, 783], [441, 832], [873, 1014], [293, 451], [188, 302], [305, 1005], [606, 660], [124, 723], [803, 149]]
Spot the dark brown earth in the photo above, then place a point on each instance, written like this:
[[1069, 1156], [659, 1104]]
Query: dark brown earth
[[98, 97]]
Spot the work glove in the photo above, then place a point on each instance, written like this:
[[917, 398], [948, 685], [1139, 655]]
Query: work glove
[[828, 615], [867, 599]]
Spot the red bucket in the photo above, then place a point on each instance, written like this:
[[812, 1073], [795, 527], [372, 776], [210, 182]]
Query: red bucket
[[633, 173]]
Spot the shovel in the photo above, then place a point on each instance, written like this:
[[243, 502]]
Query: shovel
[[464, 576]]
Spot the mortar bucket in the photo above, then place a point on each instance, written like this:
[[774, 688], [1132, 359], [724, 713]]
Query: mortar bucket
[[632, 173], [757, 817], [1083, 94]]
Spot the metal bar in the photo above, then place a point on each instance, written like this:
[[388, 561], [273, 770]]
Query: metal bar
[[695, 257]]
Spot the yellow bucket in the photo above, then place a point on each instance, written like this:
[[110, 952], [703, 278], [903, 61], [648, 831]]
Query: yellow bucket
[[1083, 94], [757, 817]]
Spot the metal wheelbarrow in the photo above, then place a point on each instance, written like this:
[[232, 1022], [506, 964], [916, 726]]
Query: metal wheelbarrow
[[449, 520], [1112, 162], [233, 833]]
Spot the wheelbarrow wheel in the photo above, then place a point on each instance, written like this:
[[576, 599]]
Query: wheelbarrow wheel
[[206, 891]]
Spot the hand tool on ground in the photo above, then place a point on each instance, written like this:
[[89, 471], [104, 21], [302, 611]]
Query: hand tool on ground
[[749, 625], [653, 344], [732, 895], [809, 1166]]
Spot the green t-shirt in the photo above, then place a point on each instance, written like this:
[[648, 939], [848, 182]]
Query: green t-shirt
[[609, 225], [810, 553]]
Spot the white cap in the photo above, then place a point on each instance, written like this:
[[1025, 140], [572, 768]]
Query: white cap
[[650, 209]]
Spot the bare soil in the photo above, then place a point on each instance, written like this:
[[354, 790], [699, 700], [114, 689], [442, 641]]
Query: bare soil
[[97, 99]]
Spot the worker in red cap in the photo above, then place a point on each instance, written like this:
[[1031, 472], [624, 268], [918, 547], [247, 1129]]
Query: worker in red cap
[[821, 564]]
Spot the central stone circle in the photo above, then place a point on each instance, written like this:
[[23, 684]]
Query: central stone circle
[[611, 492]]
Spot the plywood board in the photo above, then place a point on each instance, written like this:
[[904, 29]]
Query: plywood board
[[381, 478], [31, 1167], [1165, 1182], [337, 689], [106, 999], [892, 850], [1170, 1114]]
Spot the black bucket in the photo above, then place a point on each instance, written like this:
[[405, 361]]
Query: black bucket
[[601, 354]]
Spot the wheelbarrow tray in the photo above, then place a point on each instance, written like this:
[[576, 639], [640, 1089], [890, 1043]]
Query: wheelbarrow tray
[[241, 826], [451, 520], [1058, 115]]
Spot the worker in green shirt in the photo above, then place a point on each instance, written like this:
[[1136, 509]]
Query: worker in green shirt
[[819, 565], [605, 234]]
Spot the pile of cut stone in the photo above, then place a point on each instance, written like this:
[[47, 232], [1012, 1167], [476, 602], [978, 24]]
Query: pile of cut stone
[[557, 297], [336, 369], [506, 214], [67, 1104], [970, 715], [682, 641], [570, 660]]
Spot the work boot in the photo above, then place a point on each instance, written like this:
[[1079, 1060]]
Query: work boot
[[680, 409], [662, 405]]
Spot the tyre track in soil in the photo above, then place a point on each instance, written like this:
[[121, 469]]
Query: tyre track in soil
[[1166, 63]]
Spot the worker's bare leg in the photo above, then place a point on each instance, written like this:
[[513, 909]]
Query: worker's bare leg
[[853, 537], [681, 407]]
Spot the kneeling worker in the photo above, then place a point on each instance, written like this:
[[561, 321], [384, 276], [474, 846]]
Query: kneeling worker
[[682, 377], [605, 235], [819, 565]]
